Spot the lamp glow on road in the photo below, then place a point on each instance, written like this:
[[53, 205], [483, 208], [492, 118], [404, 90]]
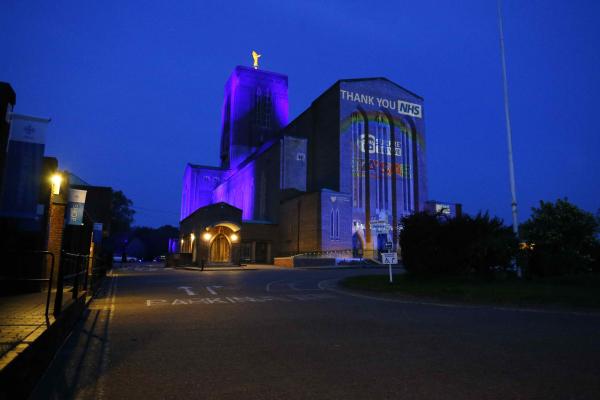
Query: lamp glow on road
[[56, 180]]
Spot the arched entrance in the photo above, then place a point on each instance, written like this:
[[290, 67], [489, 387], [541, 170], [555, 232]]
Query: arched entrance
[[220, 249]]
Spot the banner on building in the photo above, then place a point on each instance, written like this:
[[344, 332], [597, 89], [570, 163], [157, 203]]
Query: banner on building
[[22, 174], [76, 206], [97, 233]]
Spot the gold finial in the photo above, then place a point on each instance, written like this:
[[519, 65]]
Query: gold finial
[[255, 57]]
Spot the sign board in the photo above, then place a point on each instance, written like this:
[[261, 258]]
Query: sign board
[[380, 226], [389, 258], [76, 206], [389, 246]]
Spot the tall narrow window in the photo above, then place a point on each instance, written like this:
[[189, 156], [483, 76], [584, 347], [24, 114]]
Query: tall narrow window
[[337, 223], [331, 225], [263, 108]]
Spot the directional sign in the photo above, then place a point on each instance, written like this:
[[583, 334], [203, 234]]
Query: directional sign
[[389, 258]]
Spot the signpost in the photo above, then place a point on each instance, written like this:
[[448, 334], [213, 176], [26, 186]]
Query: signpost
[[389, 259]]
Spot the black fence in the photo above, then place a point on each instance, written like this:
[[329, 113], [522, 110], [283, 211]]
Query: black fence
[[75, 276]]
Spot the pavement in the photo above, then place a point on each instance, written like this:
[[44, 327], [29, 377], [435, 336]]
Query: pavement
[[22, 321], [157, 333]]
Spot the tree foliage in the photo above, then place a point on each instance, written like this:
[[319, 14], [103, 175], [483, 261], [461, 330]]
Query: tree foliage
[[564, 238], [122, 213], [155, 240], [433, 244]]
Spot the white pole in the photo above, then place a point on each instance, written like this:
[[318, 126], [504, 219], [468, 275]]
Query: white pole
[[511, 167]]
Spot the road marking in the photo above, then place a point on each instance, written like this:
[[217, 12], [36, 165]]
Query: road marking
[[211, 289], [239, 299], [188, 290], [270, 283], [109, 304], [294, 287], [323, 285]]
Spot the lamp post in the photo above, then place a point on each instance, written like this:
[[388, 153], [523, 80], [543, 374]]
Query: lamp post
[[56, 181]]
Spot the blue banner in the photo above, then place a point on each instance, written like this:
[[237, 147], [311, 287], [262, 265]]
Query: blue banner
[[22, 175]]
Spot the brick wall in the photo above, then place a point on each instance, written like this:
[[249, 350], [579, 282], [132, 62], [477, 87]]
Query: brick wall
[[56, 224]]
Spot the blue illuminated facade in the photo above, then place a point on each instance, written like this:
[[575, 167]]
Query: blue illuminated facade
[[338, 178]]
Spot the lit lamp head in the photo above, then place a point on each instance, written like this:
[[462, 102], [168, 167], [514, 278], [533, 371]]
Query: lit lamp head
[[192, 237], [56, 180], [207, 236], [234, 237]]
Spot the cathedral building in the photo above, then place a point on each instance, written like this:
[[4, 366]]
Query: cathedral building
[[337, 179]]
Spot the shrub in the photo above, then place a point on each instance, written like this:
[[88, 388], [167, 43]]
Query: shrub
[[433, 244]]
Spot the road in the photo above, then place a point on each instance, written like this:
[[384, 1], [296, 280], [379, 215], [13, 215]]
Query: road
[[157, 333]]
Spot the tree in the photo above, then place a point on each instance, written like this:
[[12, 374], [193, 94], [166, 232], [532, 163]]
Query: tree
[[155, 240], [122, 214], [564, 238]]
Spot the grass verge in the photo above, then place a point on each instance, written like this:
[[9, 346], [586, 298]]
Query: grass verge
[[571, 291]]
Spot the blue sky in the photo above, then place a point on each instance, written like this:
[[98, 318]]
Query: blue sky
[[134, 88]]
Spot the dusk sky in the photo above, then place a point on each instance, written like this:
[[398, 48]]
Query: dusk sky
[[135, 88]]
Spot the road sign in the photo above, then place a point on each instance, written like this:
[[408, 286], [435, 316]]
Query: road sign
[[389, 246], [389, 258]]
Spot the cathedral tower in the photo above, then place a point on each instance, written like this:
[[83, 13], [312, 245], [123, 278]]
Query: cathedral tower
[[255, 108]]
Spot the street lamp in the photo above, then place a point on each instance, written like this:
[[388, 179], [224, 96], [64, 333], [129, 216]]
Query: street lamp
[[56, 180], [234, 237], [207, 236]]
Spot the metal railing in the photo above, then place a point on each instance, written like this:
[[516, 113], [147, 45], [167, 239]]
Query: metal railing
[[70, 271], [20, 273], [344, 253]]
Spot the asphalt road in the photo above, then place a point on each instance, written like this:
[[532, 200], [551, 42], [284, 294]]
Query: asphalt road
[[283, 334]]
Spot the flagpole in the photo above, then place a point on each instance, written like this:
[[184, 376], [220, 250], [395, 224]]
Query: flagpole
[[511, 166]]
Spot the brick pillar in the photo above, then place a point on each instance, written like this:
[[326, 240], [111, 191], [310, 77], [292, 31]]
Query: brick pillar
[[56, 227]]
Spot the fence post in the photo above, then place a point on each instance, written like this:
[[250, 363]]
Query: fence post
[[49, 282], [77, 272], [59, 286], [88, 261]]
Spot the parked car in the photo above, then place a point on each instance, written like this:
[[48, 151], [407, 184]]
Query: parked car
[[160, 258], [119, 258]]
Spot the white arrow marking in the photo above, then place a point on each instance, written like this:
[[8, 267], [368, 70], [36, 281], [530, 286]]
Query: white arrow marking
[[211, 289], [188, 290]]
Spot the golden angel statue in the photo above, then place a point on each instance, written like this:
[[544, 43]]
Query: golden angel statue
[[255, 57]]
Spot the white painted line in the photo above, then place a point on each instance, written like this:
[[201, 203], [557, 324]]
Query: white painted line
[[270, 283], [188, 290], [211, 289], [294, 287], [323, 285], [109, 302], [235, 300]]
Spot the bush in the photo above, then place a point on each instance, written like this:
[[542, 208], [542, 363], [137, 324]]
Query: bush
[[563, 237], [436, 245]]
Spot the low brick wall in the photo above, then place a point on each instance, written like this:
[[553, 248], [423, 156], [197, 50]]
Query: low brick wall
[[295, 261], [287, 262]]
